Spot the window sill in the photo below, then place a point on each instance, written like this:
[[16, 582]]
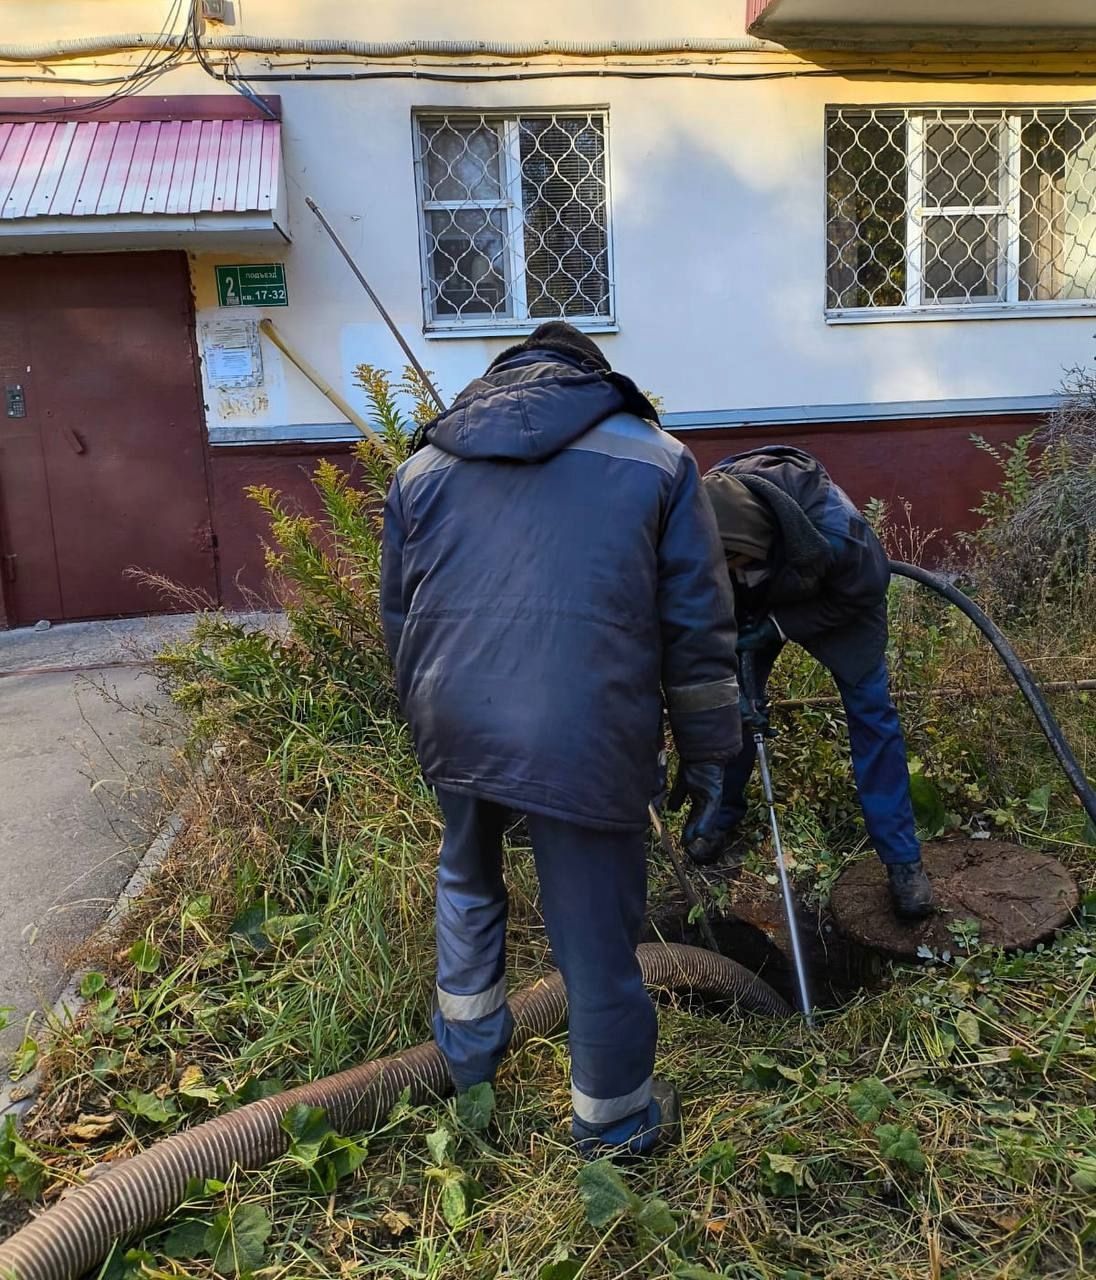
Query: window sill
[[515, 329], [992, 311]]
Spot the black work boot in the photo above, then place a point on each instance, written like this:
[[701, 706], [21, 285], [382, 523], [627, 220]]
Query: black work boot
[[669, 1109], [910, 890], [666, 1130], [662, 1125], [723, 847]]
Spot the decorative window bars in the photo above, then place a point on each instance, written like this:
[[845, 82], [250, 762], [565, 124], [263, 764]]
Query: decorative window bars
[[514, 219], [944, 208]]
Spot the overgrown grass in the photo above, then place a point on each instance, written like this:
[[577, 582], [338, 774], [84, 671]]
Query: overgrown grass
[[944, 1126]]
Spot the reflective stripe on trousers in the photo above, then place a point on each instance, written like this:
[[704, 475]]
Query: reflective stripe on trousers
[[455, 1008], [472, 1022], [593, 893], [598, 1112]]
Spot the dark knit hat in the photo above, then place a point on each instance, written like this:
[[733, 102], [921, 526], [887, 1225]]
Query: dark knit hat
[[564, 338], [746, 524]]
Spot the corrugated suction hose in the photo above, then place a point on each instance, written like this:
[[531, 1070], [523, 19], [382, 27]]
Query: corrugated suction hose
[[1025, 681], [72, 1237]]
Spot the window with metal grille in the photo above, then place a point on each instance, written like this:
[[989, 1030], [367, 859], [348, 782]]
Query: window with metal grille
[[514, 219], [951, 210]]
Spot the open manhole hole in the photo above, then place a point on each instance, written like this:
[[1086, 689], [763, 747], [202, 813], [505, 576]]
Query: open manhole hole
[[1001, 894], [750, 927]]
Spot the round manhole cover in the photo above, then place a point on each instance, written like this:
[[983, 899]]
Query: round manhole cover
[[1018, 897]]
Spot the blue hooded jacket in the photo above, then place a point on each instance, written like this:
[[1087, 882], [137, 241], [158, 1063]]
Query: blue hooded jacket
[[550, 567]]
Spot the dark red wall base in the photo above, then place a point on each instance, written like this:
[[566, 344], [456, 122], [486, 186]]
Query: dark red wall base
[[241, 525], [930, 463]]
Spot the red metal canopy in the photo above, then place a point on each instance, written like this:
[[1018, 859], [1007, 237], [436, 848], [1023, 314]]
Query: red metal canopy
[[91, 167]]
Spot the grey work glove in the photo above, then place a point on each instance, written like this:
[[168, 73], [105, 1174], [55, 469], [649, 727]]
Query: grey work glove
[[702, 785]]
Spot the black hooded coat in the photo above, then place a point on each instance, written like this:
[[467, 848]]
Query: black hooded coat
[[829, 574]]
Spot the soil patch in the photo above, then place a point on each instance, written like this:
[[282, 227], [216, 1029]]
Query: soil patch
[[1018, 896]]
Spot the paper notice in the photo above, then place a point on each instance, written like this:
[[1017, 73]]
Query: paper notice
[[232, 354]]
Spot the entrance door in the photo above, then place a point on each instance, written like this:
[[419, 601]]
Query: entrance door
[[102, 459]]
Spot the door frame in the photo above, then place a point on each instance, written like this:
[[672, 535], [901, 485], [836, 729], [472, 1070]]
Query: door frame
[[199, 398], [6, 602]]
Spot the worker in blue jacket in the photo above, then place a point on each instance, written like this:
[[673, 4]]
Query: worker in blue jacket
[[551, 575], [808, 568]]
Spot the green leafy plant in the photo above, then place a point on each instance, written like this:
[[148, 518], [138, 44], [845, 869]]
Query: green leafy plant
[[19, 1163], [899, 1145], [782, 1173], [458, 1190], [235, 1240], [932, 816], [24, 1059], [151, 1107], [870, 1100], [563, 1268], [146, 956], [720, 1162], [475, 1107], [966, 933], [127, 1264], [606, 1196], [317, 1150]]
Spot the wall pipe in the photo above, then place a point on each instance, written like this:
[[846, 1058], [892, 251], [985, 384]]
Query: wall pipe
[[270, 332], [393, 328], [88, 46], [77, 1233]]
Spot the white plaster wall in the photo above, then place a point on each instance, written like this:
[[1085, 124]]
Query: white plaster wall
[[717, 218]]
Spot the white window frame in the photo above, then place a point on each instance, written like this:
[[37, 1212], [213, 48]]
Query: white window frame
[[510, 182], [1008, 210]]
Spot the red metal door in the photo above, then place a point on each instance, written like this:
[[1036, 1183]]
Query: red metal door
[[106, 472]]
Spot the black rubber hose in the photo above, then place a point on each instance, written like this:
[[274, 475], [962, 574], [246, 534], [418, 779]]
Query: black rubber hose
[[76, 1234], [1025, 681]]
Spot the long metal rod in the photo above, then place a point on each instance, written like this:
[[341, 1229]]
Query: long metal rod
[[942, 691], [755, 696], [412, 359], [696, 907], [798, 958]]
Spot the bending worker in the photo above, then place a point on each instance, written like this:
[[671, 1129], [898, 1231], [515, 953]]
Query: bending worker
[[807, 567], [534, 626]]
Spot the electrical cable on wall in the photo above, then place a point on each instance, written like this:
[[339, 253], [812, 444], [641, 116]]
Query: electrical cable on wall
[[176, 47], [236, 81], [163, 52]]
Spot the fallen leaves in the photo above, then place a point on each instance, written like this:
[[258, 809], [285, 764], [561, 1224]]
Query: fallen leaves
[[89, 1128]]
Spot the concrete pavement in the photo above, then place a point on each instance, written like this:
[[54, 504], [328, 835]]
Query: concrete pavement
[[81, 755]]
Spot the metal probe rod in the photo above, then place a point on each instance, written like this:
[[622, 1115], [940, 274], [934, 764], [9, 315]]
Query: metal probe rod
[[411, 357], [691, 895], [755, 697], [785, 884]]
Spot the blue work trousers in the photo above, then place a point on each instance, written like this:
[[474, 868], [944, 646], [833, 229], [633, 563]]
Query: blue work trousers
[[878, 764], [593, 887]]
